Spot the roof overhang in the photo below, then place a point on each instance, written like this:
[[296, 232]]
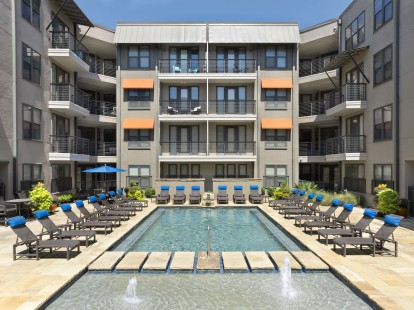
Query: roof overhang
[[73, 11], [344, 57]]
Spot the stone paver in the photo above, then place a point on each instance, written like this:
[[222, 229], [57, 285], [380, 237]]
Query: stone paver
[[208, 262], [157, 261], [259, 261], [279, 258], [182, 261], [310, 261], [234, 261], [107, 261], [132, 261]]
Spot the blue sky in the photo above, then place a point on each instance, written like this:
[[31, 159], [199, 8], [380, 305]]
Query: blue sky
[[305, 12]]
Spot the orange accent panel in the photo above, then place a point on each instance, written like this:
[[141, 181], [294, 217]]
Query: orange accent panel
[[277, 83], [138, 83], [276, 123], [138, 123]]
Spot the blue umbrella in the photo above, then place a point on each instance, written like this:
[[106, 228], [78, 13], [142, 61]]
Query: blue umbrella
[[104, 169]]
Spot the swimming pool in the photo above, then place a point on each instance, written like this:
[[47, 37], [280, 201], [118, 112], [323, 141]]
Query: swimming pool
[[185, 229]]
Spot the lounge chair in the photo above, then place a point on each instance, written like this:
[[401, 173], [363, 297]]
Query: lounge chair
[[307, 210], [127, 200], [137, 204], [115, 207], [255, 196], [376, 241], [164, 195], [292, 197], [332, 221], [222, 196], [238, 196], [318, 214], [355, 230], [179, 196], [300, 203], [54, 231], [195, 196], [79, 223], [102, 211], [34, 243], [95, 216]]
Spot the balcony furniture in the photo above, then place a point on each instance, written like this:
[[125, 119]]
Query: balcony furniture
[[238, 196], [22, 205], [179, 196], [193, 70], [176, 69], [196, 110], [172, 111]]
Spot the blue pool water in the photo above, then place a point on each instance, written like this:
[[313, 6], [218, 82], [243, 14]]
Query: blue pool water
[[185, 229]]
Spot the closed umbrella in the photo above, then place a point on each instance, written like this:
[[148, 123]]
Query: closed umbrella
[[104, 169]]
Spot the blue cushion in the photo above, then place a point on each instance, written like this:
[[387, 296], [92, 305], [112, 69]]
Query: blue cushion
[[348, 206], [195, 188], [222, 187], [112, 193], [102, 196], [254, 186], [39, 214], [120, 191], [295, 191], [179, 188], [66, 207], [392, 220], [238, 187], [311, 195], [319, 198], [371, 213], [336, 202], [16, 221], [79, 203], [92, 199], [302, 193], [165, 188]]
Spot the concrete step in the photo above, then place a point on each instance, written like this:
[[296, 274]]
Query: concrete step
[[107, 261], [234, 261], [132, 261], [278, 257], [310, 261], [210, 262], [182, 261], [157, 261], [259, 261]]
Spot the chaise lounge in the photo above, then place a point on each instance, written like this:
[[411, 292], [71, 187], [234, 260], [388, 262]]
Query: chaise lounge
[[255, 196], [179, 196], [238, 196], [164, 196], [195, 196], [222, 196]]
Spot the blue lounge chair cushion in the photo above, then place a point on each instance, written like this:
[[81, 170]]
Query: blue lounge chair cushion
[[39, 214], [319, 198], [295, 191], [165, 188], [348, 206], [238, 187], [92, 199], [302, 193], [120, 191], [392, 220], [371, 213], [179, 188], [16, 221], [102, 196], [336, 202], [195, 188], [66, 207], [311, 195], [79, 203], [112, 193], [254, 186], [222, 187]]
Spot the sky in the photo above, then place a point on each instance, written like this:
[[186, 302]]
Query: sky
[[305, 12]]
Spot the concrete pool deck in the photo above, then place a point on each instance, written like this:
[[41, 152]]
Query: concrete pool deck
[[28, 284]]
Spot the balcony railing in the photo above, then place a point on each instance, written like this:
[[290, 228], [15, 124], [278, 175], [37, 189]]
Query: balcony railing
[[182, 66], [61, 184], [73, 145], [233, 148], [141, 181], [311, 149], [139, 145], [348, 92], [375, 183], [274, 181], [105, 108], [99, 66], [276, 105], [183, 107], [355, 184], [105, 149], [67, 92], [275, 145], [314, 66], [345, 144], [232, 107], [184, 148], [27, 185], [312, 108], [66, 40], [139, 105], [232, 65]]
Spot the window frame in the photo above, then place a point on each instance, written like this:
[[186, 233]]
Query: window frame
[[139, 57], [31, 63], [276, 168], [32, 123], [140, 136], [32, 11], [276, 57], [383, 136], [139, 96], [359, 29], [382, 172], [276, 97], [382, 12], [31, 167], [357, 166], [382, 54]]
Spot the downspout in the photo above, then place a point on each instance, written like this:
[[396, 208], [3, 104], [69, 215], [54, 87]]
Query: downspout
[[295, 124], [397, 95], [14, 86], [118, 116]]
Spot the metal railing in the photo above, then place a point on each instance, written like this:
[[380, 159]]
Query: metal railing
[[74, 145], [180, 107], [312, 108], [139, 145], [232, 107], [276, 105], [275, 145], [184, 148], [66, 40], [375, 183], [105, 149], [345, 144], [182, 66], [139, 105], [99, 66], [347, 92], [232, 65], [141, 181], [61, 184], [355, 184], [311, 149], [182, 176], [233, 148], [67, 92], [314, 66], [274, 181], [99, 107], [27, 185]]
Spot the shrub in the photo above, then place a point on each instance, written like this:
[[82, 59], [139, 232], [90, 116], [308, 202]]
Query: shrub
[[134, 192], [280, 193], [40, 198], [344, 197], [65, 198], [308, 186], [388, 201], [149, 192], [271, 191]]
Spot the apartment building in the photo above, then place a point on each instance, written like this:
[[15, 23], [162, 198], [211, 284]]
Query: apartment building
[[208, 102]]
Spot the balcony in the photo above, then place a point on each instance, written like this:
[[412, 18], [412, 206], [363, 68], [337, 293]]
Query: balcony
[[102, 73], [346, 148], [350, 98], [184, 148], [312, 152], [27, 185], [69, 149], [61, 184], [228, 107], [312, 108], [315, 66], [184, 107], [103, 152], [101, 67], [182, 66], [139, 145], [355, 184], [141, 181], [276, 145], [274, 181], [66, 51], [65, 98], [232, 66], [104, 108]]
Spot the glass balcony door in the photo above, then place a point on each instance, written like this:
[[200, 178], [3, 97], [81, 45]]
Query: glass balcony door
[[184, 140], [231, 100], [231, 139]]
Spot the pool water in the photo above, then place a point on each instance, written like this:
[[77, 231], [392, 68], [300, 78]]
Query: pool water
[[185, 229]]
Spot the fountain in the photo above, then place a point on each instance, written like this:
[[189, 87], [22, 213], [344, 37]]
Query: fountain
[[286, 273], [131, 292]]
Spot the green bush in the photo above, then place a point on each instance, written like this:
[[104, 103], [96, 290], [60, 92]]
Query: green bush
[[134, 192], [344, 197], [149, 192], [308, 186], [271, 191], [388, 201], [281, 192], [65, 198], [40, 198]]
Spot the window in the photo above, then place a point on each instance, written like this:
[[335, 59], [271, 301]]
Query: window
[[276, 57], [276, 135], [243, 171], [31, 122], [219, 171], [139, 174], [274, 174], [383, 65], [383, 172], [355, 75], [382, 12], [280, 94], [31, 65], [139, 135], [383, 123], [231, 171], [32, 172], [355, 171], [31, 12], [139, 57], [195, 171], [355, 32], [138, 95]]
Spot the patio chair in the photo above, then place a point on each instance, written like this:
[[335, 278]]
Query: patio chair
[[319, 215], [171, 110], [54, 231], [137, 204], [301, 202], [196, 110], [164, 195], [6, 209], [179, 196], [291, 198], [193, 70], [238, 196], [376, 241], [176, 69], [195, 196], [255, 196], [79, 223], [332, 221], [222, 196], [114, 206], [95, 216], [34, 243], [307, 210], [354, 229], [127, 200]]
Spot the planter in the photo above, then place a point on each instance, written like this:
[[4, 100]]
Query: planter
[[53, 207], [402, 212]]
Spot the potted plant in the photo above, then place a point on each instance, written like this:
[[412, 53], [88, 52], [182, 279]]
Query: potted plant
[[40, 198], [55, 203], [403, 210], [376, 191], [388, 201]]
